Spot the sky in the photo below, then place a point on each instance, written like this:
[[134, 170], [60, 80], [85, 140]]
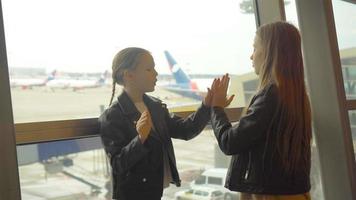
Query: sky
[[344, 17], [345, 22], [204, 36]]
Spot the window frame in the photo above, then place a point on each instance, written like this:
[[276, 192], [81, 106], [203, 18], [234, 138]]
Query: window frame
[[35, 132]]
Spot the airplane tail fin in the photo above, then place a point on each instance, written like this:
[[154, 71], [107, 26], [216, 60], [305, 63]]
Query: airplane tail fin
[[182, 79], [51, 76], [103, 78], [179, 75]]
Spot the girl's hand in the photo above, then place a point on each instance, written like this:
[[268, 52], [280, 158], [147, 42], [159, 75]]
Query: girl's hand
[[208, 98], [219, 92], [144, 125]]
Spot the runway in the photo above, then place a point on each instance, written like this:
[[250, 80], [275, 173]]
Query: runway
[[48, 104]]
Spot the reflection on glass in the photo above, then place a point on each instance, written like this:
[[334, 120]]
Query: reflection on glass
[[61, 68]]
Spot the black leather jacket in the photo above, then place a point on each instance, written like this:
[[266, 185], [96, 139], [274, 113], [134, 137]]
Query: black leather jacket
[[254, 168], [138, 168]]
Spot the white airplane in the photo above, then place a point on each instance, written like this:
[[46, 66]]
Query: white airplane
[[29, 83], [78, 84], [245, 84]]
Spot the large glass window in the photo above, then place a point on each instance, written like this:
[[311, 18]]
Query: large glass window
[[60, 52], [78, 169], [68, 170], [352, 118], [346, 36]]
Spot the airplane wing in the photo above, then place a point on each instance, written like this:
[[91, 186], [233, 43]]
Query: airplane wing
[[194, 94]]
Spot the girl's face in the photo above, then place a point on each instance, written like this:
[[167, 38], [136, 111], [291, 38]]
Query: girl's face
[[257, 55], [144, 76]]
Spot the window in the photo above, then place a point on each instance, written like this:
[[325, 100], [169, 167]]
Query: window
[[201, 193], [216, 194], [200, 180], [60, 70], [346, 34], [215, 181], [69, 169], [352, 118], [61, 67]]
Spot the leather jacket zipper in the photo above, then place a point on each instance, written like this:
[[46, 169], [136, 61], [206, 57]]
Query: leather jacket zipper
[[247, 173]]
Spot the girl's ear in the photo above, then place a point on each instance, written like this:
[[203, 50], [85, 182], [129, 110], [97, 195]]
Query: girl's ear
[[127, 75]]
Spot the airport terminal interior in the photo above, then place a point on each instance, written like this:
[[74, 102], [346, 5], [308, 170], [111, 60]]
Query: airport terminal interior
[[55, 81]]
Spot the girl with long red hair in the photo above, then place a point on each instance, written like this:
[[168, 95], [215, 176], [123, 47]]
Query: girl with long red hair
[[271, 144]]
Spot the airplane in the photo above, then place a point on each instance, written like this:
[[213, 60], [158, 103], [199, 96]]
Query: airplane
[[78, 84], [185, 86], [29, 83], [197, 88], [84, 84], [45, 152]]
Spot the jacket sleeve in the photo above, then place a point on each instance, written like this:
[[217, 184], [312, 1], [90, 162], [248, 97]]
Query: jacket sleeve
[[250, 130], [122, 151], [189, 127]]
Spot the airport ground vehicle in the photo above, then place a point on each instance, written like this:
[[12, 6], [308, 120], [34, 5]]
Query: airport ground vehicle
[[214, 178], [200, 193]]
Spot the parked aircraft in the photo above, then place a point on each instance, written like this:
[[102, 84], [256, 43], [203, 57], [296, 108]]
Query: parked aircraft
[[79, 83], [197, 88], [184, 85], [29, 83]]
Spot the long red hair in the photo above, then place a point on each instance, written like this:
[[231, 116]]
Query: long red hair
[[283, 66]]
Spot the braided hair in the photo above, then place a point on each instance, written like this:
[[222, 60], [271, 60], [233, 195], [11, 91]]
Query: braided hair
[[126, 59]]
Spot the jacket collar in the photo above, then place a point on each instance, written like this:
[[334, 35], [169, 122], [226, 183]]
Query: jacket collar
[[128, 107]]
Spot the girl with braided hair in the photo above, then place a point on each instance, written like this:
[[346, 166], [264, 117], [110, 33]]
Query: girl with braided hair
[[136, 130]]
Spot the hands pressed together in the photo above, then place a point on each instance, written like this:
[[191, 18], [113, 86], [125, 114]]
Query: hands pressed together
[[216, 97], [217, 94]]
